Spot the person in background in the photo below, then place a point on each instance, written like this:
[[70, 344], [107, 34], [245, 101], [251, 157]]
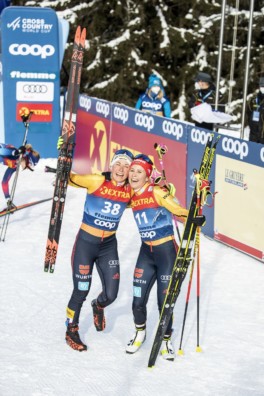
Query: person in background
[[205, 93], [154, 100], [255, 115], [152, 207], [96, 243], [9, 156]]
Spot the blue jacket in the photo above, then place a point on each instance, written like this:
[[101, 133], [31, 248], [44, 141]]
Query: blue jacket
[[158, 105]]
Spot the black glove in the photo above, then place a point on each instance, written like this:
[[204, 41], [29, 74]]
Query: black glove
[[199, 220], [22, 150], [107, 175]]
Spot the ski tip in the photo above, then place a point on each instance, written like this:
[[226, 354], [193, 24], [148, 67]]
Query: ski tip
[[198, 349], [77, 35], [180, 352], [83, 37]]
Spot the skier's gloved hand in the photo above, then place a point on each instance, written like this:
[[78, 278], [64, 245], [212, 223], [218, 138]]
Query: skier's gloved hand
[[199, 220], [22, 150], [171, 189], [107, 175], [60, 142]]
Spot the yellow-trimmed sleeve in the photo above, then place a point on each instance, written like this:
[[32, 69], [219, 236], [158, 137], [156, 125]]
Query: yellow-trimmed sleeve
[[90, 182], [166, 200]]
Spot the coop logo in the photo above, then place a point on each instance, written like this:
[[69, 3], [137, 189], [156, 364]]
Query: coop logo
[[34, 50], [148, 234], [235, 146], [171, 128], [121, 114], [199, 136], [152, 106], [86, 103], [145, 121], [103, 108], [262, 154], [106, 224], [15, 24]]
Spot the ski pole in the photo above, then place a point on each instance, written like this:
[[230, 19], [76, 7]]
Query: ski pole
[[196, 248], [198, 348], [162, 150], [26, 121], [180, 351], [203, 190]]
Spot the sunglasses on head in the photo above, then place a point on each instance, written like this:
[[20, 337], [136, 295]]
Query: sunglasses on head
[[144, 158], [124, 152]]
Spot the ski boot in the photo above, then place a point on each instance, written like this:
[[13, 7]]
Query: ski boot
[[167, 350], [137, 340], [73, 339]]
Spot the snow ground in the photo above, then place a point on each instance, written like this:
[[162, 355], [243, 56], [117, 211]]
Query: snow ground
[[35, 360]]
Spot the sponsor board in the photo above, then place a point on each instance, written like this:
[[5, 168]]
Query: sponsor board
[[238, 208], [31, 64]]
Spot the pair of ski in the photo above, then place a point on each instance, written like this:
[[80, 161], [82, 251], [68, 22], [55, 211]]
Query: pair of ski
[[64, 163], [186, 249]]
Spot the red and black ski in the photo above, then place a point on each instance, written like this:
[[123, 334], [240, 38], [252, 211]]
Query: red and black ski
[[24, 206], [66, 152]]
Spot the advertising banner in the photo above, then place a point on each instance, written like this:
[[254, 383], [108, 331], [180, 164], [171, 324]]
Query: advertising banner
[[103, 128], [239, 210], [31, 76], [233, 216], [93, 136]]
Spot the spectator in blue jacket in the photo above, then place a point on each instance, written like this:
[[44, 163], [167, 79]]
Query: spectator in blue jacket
[[154, 100]]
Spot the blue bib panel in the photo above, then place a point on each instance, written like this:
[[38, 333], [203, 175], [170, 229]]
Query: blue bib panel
[[104, 207], [154, 222]]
